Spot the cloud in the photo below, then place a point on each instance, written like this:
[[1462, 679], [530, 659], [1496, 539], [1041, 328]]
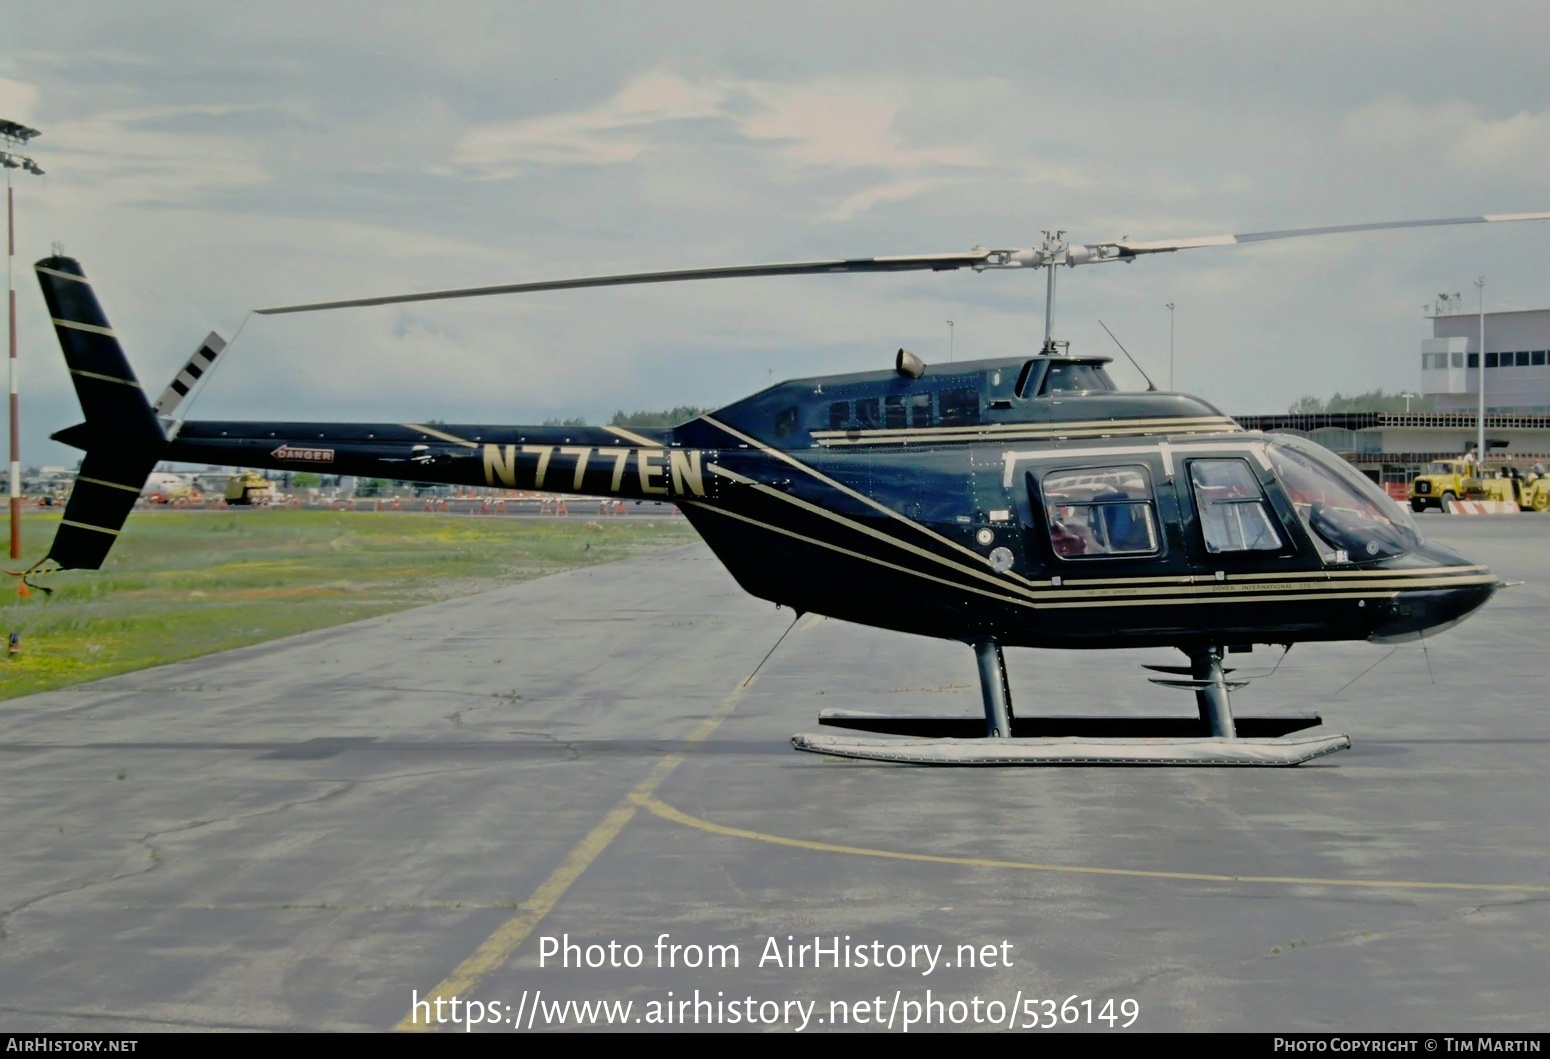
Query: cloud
[[18, 99], [1452, 134], [138, 155], [897, 191], [843, 122], [615, 131], [827, 124]]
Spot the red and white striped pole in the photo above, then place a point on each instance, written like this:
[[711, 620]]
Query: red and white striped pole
[[12, 133], [16, 430]]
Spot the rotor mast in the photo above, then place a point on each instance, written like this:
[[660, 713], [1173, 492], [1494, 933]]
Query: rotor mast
[[1048, 252], [1051, 242]]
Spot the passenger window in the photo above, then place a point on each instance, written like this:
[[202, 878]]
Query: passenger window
[[1101, 512], [839, 415], [785, 422], [1234, 515], [920, 410], [868, 413], [959, 407], [893, 413]]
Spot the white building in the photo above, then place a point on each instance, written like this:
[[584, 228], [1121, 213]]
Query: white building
[[1517, 360]]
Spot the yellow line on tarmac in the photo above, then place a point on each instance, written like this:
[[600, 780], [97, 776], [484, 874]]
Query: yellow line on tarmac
[[667, 812], [499, 946]]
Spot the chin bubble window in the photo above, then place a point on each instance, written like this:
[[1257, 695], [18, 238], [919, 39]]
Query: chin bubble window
[[1234, 515], [1104, 512]]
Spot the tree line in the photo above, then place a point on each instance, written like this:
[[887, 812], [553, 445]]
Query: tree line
[[1372, 401]]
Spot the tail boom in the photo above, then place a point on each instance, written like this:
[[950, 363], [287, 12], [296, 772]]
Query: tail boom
[[588, 461]]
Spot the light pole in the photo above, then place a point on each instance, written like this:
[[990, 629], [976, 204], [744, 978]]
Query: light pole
[[1407, 396], [1170, 345], [949, 341], [1480, 414], [14, 134]]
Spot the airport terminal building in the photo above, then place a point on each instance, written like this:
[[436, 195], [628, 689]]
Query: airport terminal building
[[1394, 447]]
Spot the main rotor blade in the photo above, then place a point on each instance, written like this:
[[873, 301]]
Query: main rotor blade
[[916, 262], [1164, 246]]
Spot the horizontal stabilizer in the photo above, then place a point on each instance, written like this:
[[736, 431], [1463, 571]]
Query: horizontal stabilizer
[[78, 437]]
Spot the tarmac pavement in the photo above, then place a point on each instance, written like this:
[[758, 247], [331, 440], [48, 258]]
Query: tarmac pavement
[[311, 833]]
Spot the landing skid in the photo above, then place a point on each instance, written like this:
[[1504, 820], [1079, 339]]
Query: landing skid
[[1076, 750], [1213, 737], [967, 727]]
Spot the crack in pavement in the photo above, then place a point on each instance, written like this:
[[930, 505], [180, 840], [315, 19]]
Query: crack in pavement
[[148, 839]]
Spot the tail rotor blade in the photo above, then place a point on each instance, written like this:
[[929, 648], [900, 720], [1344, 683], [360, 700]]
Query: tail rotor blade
[[190, 374]]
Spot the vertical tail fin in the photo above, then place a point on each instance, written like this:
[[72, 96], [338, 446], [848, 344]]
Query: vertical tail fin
[[122, 437]]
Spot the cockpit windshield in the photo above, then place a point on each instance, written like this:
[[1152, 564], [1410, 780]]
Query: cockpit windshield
[[1342, 509]]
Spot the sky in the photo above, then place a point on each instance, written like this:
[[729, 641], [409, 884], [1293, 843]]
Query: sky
[[203, 160]]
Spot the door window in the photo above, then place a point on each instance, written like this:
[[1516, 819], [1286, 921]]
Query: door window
[[1234, 515]]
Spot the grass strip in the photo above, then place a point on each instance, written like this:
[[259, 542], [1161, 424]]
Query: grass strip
[[180, 584]]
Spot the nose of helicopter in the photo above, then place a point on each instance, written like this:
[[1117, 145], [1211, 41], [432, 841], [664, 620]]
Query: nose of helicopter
[[1459, 586]]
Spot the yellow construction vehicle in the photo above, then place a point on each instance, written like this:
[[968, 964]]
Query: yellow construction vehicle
[[1461, 479], [1447, 480], [249, 489], [1533, 491]]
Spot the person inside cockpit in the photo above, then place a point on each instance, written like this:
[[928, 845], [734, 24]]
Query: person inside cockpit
[[1340, 507]]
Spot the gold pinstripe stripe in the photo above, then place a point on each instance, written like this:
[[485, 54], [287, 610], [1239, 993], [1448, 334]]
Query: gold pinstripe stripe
[[1310, 597], [1073, 435], [983, 575], [92, 328], [88, 526], [110, 485], [1202, 593], [1007, 428], [634, 439], [1227, 590], [1027, 432], [1428, 571], [105, 378], [443, 436], [61, 275], [858, 555], [890, 512]]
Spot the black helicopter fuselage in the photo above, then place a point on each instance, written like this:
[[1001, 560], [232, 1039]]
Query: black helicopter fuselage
[[1022, 501]]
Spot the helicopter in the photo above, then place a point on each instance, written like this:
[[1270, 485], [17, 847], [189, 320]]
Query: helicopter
[[1010, 502]]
